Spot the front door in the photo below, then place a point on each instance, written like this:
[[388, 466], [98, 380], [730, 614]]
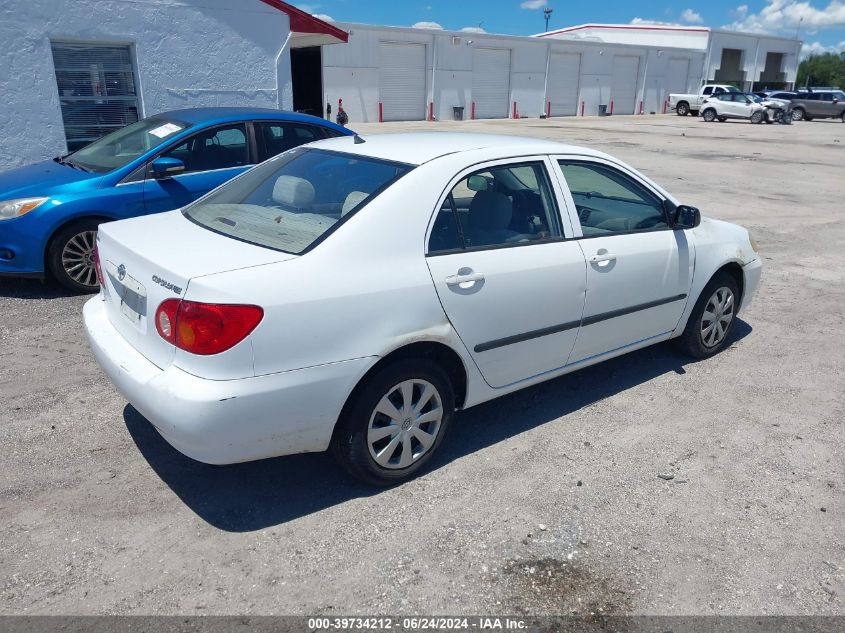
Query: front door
[[211, 157], [511, 286], [639, 270]]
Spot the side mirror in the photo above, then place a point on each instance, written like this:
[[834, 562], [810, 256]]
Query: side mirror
[[477, 182], [686, 217], [166, 166]]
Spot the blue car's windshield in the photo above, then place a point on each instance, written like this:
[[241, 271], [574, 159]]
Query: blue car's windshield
[[126, 144]]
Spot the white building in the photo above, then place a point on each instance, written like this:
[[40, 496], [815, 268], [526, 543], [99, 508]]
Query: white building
[[751, 61], [409, 74], [73, 69]]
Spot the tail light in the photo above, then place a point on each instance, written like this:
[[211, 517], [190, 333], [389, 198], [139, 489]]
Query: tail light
[[97, 267], [205, 328]]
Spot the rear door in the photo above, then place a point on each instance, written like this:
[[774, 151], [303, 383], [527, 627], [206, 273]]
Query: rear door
[[511, 284], [638, 269], [211, 156]]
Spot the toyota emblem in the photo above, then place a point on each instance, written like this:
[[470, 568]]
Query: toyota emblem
[[121, 272]]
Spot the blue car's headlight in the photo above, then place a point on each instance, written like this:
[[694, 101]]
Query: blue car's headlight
[[13, 208]]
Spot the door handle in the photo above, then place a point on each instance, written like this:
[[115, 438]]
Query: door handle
[[456, 280], [604, 257]]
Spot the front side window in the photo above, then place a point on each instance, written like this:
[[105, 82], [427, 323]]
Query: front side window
[[609, 202], [291, 202], [216, 148], [506, 204]]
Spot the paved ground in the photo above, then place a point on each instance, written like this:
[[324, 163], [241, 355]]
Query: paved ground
[[547, 501]]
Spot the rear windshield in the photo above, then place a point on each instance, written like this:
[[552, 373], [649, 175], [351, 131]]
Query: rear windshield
[[291, 202]]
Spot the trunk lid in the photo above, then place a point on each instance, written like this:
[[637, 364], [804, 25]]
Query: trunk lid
[[149, 259]]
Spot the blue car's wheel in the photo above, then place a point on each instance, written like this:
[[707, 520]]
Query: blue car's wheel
[[71, 256]]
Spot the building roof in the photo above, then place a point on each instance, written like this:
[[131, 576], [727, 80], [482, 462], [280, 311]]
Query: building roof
[[303, 22], [628, 27], [416, 148]]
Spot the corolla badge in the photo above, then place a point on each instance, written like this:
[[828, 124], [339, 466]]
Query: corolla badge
[[121, 272], [166, 284]]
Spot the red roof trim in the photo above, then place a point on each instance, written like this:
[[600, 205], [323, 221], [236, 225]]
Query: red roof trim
[[629, 27], [302, 22]]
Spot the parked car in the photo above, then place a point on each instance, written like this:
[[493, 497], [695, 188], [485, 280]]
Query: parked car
[[777, 94], [352, 295], [827, 104], [738, 105], [684, 104], [49, 211]]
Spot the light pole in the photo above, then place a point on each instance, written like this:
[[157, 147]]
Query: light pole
[[547, 14]]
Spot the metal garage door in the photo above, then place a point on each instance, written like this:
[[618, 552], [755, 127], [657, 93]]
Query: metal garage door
[[623, 86], [676, 75], [402, 81], [564, 70], [491, 75]]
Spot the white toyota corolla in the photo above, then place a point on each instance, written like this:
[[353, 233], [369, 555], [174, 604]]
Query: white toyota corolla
[[352, 294]]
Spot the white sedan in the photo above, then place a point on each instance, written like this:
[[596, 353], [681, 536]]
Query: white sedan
[[352, 294]]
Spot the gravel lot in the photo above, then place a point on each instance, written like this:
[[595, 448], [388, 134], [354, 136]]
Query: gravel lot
[[546, 501]]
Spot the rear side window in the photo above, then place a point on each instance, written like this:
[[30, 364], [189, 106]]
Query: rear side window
[[275, 138], [292, 202], [216, 148]]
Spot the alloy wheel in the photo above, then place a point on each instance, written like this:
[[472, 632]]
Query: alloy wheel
[[405, 423], [717, 317], [78, 258]]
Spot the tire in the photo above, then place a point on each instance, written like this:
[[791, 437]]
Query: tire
[[758, 117], [798, 114], [70, 256], [682, 109], [700, 338], [722, 119], [709, 115], [362, 442]]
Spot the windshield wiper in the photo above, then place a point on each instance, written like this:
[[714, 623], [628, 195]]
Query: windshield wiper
[[64, 161]]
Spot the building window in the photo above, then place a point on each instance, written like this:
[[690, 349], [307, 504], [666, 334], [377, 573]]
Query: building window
[[97, 89]]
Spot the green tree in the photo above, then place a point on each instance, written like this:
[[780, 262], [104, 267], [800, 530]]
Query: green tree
[[827, 69]]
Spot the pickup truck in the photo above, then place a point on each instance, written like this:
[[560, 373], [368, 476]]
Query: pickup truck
[[684, 104]]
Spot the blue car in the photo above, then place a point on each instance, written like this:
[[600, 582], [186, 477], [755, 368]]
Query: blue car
[[49, 211]]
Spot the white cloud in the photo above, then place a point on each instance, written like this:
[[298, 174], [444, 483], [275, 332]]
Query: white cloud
[[427, 25], [817, 48], [691, 17], [780, 16], [533, 4], [473, 29], [648, 22], [308, 8], [324, 17]]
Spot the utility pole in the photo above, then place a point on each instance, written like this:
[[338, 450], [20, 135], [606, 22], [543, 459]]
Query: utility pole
[[547, 14]]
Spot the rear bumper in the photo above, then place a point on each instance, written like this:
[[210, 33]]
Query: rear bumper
[[751, 273], [226, 421]]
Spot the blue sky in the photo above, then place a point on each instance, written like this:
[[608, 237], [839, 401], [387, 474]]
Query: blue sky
[[820, 23]]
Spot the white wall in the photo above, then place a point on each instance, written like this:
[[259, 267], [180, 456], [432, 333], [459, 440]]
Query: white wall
[[754, 49], [350, 71], [188, 53]]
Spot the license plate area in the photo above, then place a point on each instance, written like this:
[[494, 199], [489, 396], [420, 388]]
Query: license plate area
[[130, 292]]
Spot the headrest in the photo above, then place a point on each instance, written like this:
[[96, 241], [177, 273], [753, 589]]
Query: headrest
[[294, 192], [490, 210], [353, 200]]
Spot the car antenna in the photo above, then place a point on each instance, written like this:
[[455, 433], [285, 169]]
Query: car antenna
[[358, 140]]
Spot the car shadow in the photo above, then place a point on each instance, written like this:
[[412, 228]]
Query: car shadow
[[27, 288], [256, 495]]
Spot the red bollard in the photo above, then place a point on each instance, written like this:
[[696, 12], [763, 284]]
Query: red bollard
[[380, 113], [473, 111], [665, 106], [514, 111], [549, 110], [582, 108], [611, 107], [431, 110], [641, 107]]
